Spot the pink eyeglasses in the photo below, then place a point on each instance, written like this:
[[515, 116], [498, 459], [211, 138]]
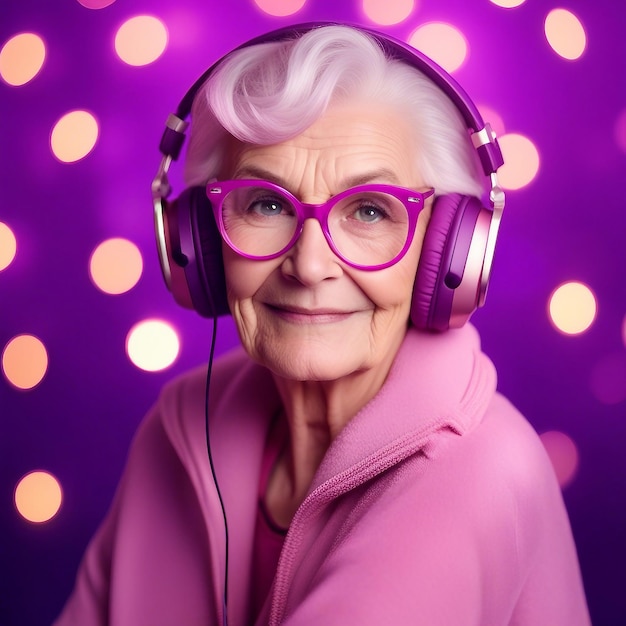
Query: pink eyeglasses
[[369, 227]]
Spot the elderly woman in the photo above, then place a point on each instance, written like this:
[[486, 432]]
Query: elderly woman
[[366, 469]]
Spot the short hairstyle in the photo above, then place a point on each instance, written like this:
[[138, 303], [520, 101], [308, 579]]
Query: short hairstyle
[[271, 92]]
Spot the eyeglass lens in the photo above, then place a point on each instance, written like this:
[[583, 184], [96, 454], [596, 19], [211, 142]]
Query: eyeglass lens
[[366, 227]]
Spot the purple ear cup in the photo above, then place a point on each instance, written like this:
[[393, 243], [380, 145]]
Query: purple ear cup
[[197, 279], [446, 290]]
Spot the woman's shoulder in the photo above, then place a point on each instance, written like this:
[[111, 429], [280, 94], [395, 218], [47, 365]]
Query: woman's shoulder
[[499, 465], [500, 475], [510, 444], [492, 485], [236, 387], [502, 451], [190, 386]]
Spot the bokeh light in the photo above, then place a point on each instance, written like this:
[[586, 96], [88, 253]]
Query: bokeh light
[[620, 131], [508, 4], [565, 34], [24, 361], [116, 265], [74, 136], [386, 12], [141, 40], [608, 379], [521, 161], [95, 4], [572, 308], [38, 496], [21, 58], [280, 8], [624, 330], [152, 345], [8, 246], [563, 454], [443, 43]]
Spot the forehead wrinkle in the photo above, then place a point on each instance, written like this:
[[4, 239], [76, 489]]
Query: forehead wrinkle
[[380, 175], [345, 149], [277, 163]]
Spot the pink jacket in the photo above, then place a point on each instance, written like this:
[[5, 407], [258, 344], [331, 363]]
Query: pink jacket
[[435, 505]]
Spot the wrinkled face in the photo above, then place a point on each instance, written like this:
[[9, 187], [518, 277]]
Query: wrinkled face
[[306, 315]]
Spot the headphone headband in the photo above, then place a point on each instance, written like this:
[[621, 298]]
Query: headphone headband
[[483, 137]]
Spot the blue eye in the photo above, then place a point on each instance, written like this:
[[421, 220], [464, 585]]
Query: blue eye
[[370, 214], [267, 207]]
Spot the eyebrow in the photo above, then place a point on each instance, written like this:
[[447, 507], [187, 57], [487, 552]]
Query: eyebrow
[[386, 175], [255, 172]]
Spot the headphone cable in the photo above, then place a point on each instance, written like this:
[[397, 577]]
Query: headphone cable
[[213, 473]]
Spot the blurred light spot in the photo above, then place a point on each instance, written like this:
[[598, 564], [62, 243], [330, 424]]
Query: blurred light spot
[[521, 161], [280, 8], [8, 246], [74, 136], [443, 43], [508, 4], [24, 361], [572, 308], [141, 40], [608, 379], [495, 119], [38, 496], [620, 131], [624, 330], [387, 12], [563, 455], [565, 34], [21, 58], [152, 345], [116, 265], [95, 4]]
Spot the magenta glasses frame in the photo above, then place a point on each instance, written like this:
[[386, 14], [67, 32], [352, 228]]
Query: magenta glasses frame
[[413, 201]]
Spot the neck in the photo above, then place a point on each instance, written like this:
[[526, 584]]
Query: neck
[[316, 412]]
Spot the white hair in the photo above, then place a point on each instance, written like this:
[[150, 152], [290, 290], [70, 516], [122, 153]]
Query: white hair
[[272, 92]]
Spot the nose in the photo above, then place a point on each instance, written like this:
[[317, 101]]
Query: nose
[[311, 259]]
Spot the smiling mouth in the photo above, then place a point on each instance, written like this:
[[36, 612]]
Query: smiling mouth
[[299, 315]]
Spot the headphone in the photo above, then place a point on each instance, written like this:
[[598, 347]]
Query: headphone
[[458, 248]]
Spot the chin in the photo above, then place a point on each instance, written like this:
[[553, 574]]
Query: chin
[[308, 366]]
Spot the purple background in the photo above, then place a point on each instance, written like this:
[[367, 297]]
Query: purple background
[[569, 224]]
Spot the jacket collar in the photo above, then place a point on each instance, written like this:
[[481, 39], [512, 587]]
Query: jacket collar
[[437, 381]]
